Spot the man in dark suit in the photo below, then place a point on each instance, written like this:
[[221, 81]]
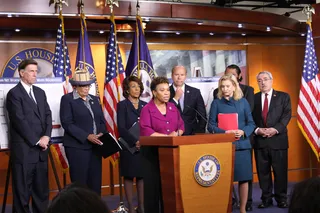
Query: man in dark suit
[[248, 93], [272, 113], [30, 131], [189, 101]]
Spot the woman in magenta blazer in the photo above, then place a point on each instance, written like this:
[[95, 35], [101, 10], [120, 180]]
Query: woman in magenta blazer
[[158, 118]]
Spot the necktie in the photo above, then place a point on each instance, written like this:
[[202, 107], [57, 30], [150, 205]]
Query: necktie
[[181, 102], [31, 96], [265, 110]]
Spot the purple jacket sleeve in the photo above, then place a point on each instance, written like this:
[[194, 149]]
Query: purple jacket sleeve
[[145, 122]]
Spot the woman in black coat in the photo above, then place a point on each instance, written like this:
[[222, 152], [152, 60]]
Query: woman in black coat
[[128, 112]]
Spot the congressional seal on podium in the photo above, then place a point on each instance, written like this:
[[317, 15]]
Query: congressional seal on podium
[[207, 170]]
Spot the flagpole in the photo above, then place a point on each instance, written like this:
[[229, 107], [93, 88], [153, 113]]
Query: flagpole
[[121, 208], [137, 36], [308, 11], [59, 4], [83, 25]]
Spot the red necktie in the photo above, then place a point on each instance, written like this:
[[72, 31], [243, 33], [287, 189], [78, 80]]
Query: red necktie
[[265, 110]]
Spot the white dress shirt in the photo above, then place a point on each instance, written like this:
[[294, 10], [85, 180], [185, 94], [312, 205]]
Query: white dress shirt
[[263, 96], [27, 88]]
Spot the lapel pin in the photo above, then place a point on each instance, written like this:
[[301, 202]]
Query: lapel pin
[[274, 95], [91, 102], [170, 108], [188, 91]]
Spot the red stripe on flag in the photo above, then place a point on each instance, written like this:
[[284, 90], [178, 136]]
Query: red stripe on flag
[[59, 153]]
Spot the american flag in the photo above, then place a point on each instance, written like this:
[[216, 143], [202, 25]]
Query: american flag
[[309, 97], [62, 68], [113, 82]]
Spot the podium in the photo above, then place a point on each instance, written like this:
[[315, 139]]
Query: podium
[[196, 172]]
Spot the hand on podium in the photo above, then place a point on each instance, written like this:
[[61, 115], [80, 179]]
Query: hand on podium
[[174, 133]]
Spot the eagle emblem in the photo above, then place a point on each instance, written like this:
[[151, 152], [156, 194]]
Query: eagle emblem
[[207, 170]]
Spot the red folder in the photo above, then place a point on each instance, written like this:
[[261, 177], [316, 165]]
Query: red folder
[[228, 121]]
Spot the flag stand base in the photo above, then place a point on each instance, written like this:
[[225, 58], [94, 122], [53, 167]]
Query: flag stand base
[[121, 208]]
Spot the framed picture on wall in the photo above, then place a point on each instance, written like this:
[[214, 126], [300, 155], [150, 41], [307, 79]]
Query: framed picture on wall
[[199, 63]]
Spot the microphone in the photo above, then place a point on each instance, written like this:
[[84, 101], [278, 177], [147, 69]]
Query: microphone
[[203, 117]]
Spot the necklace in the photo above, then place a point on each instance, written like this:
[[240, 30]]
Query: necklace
[[134, 102]]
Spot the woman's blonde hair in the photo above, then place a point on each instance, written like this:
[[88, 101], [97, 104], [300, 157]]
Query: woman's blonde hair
[[237, 94]]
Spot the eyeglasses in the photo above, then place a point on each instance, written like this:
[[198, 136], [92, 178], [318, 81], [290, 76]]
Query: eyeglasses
[[263, 80], [83, 86]]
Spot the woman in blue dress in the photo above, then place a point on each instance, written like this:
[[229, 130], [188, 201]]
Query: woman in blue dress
[[230, 101]]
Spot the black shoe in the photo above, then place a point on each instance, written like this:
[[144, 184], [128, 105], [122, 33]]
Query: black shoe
[[283, 205], [265, 204], [249, 207]]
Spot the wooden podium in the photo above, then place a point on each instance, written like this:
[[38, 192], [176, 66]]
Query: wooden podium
[[178, 157]]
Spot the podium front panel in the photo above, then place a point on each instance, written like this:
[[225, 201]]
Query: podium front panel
[[206, 177]]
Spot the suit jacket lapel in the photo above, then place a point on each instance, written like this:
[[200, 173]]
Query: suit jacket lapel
[[273, 100], [156, 113], [79, 101], [259, 109], [172, 94], [40, 102], [187, 95], [27, 98], [131, 107], [243, 89]]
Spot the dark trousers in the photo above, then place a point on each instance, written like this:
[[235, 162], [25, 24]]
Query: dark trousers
[[85, 167], [277, 160], [153, 202], [249, 201], [30, 180]]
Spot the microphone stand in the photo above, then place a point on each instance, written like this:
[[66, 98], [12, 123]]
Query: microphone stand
[[121, 208]]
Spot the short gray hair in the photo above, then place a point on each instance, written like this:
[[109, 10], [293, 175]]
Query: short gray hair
[[265, 72]]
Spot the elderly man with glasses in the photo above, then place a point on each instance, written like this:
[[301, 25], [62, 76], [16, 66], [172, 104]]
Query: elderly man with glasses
[[272, 113]]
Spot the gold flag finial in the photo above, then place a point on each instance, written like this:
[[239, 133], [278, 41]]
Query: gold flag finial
[[58, 3], [138, 8], [111, 3], [80, 7], [308, 10]]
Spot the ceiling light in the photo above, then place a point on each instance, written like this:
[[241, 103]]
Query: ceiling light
[[199, 23], [243, 34], [268, 29], [9, 15], [147, 19], [211, 34], [302, 34], [177, 33], [101, 31], [17, 30], [240, 25]]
